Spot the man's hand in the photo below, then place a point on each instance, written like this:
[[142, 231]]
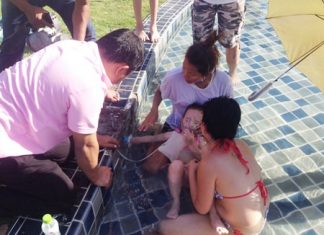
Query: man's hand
[[102, 176], [107, 141], [86, 150]]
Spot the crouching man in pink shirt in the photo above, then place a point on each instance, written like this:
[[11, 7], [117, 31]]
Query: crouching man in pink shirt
[[46, 98]]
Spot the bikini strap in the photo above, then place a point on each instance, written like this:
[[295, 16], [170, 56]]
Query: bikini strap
[[259, 184], [237, 232], [229, 144], [263, 191]]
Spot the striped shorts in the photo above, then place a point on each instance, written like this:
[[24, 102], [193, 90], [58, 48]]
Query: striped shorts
[[230, 18]]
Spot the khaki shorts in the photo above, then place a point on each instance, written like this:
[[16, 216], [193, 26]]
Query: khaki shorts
[[230, 21]]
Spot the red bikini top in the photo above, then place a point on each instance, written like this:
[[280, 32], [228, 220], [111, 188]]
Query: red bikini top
[[228, 145]]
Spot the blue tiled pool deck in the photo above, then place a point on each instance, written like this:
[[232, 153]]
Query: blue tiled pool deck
[[284, 128]]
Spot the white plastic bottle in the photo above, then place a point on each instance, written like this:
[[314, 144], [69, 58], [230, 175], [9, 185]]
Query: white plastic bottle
[[50, 225]]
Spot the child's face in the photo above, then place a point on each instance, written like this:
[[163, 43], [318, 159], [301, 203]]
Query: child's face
[[192, 120]]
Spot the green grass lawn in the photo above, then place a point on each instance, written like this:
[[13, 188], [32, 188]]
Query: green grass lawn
[[108, 15]]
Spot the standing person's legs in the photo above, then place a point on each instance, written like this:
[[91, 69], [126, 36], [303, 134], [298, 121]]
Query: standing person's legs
[[175, 177], [35, 185], [203, 20], [230, 23], [65, 9], [155, 36], [15, 30], [139, 27]]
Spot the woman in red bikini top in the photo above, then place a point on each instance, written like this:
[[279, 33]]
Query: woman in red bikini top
[[227, 183]]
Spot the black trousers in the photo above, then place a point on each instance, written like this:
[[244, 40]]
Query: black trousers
[[35, 184]]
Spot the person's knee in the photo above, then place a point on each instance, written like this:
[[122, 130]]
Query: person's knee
[[176, 167], [61, 187], [53, 183]]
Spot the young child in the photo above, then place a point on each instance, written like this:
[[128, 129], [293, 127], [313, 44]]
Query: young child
[[177, 144], [139, 29], [179, 149]]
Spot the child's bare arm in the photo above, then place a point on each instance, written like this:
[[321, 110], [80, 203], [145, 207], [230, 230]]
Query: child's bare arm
[[151, 138], [193, 143]]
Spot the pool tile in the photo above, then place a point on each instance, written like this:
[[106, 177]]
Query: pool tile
[[282, 98], [76, 228], [301, 102], [295, 85], [307, 149], [285, 206], [270, 147], [291, 170], [319, 118], [309, 232], [300, 200], [288, 186], [302, 181], [112, 228], [286, 129], [130, 225], [147, 218], [299, 113], [299, 221], [283, 143]]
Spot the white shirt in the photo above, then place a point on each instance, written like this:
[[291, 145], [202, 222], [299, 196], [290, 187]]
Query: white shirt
[[182, 94]]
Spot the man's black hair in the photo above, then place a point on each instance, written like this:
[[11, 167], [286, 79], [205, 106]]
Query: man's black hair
[[123, 46]]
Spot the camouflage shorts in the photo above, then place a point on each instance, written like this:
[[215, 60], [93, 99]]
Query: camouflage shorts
[[230, 21]]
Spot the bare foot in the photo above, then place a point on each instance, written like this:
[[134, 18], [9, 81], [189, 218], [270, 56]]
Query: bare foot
[[235, 79], [155, 36], [174, 210], [141, 34]]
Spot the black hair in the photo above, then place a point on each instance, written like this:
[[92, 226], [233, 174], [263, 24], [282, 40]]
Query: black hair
[[194, 106], [123, 46], [221, 117], [204, 55]]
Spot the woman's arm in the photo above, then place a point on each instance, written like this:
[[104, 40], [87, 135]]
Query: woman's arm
[[202, 185], [153, 115]]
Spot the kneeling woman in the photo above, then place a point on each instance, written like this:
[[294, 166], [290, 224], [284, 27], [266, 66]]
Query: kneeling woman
[[226, 182]]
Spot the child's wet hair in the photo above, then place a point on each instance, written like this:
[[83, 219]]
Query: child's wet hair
[[194, 106], [204, 55], [221, 117]]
